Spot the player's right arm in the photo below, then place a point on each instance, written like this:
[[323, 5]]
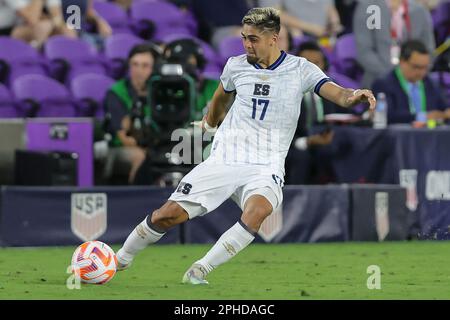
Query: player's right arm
[[218, 106]]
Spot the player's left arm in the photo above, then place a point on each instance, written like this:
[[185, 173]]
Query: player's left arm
[[347, 97]]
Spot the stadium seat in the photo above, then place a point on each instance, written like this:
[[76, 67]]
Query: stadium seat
[[40, 96], [347, 82], [89, 91], [343, 80], [441, 21], [71, 57], [18, 58], [154, 20], [230, 46], [114, 15], [345, 51], [7, 105], [117, 48], [298, 40], [442, 80]]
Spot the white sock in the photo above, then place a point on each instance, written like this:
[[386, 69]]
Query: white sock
[[229, 244], [138, 239]]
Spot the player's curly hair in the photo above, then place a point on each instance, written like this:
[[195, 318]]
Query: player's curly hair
[[264, 19]]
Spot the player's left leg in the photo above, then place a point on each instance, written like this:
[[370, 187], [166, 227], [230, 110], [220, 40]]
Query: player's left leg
[[257, 208]]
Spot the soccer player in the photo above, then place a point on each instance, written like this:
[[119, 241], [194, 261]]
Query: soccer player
[[250, 146]]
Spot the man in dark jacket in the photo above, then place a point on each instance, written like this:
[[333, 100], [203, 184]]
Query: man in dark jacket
[[410, 94]]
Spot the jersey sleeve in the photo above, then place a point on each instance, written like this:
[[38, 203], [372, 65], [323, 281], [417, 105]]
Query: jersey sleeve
[[226, 77], [312, 77]]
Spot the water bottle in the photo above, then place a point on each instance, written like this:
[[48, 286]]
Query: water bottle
[[380, 116]]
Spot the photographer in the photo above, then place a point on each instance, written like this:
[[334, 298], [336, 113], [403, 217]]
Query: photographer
[[127, 112]]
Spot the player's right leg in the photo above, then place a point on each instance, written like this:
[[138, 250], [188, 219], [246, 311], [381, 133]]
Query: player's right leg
[[150, 231]]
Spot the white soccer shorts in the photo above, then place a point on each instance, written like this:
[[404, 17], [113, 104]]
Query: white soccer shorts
[[209, 184]]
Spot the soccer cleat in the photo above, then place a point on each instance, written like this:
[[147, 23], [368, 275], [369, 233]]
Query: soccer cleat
[[122, 264], [195, 275]]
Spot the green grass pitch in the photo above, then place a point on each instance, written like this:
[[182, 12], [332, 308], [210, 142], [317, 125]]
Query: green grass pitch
[[409, 270]]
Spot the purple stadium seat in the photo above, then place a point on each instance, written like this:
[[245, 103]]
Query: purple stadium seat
[[191, 22], [296, 41], [229, 47], [7, 105], [116, 52], [442, 80], [343, 80], [346, 82], [212, 71], [18, 58], [165, 30], [114, 15], [154, 19], [40, 96], [210, 54], [89, 90], [345, 51], [71, 57], [441, 21]]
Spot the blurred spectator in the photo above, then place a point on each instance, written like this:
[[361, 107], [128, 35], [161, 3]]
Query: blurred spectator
[[285, 41], [11, 11], [101, 27], [54, 10], [128, 114], [314, 17], [219, 18], [125, 4], [410, 93], [32, 21], [399, 20], [306, 163], [346, 9], [430, 4], [188, 53]]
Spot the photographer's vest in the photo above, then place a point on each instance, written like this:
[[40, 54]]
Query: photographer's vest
[[205, 95], [121, 90]]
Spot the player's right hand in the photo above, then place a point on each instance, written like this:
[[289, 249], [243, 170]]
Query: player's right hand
[[203, 125]]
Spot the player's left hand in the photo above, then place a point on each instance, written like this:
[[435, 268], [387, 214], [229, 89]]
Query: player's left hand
[[363, 96]]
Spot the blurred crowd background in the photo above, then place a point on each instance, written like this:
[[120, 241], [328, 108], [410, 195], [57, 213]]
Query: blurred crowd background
[[140, 69]]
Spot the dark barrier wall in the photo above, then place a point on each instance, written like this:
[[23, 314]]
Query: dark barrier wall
[[417, 159], [43, 216], [309, 214], [378, 213], [38, 216]]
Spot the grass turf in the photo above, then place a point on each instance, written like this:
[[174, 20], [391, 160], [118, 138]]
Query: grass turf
[[409, 270]]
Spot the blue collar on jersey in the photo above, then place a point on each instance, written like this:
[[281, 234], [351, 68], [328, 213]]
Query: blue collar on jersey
[[274, 65]]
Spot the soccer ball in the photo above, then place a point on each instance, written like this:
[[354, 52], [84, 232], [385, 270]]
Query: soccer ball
[[94, 262]]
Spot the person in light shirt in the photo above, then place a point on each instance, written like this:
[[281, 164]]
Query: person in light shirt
[[378, 46], [410, 94]]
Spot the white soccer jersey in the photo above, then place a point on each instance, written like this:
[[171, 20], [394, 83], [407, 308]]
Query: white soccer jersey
[[259, 127]]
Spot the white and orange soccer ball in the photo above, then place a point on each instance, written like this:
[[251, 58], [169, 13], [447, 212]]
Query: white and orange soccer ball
[[94, 262]]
